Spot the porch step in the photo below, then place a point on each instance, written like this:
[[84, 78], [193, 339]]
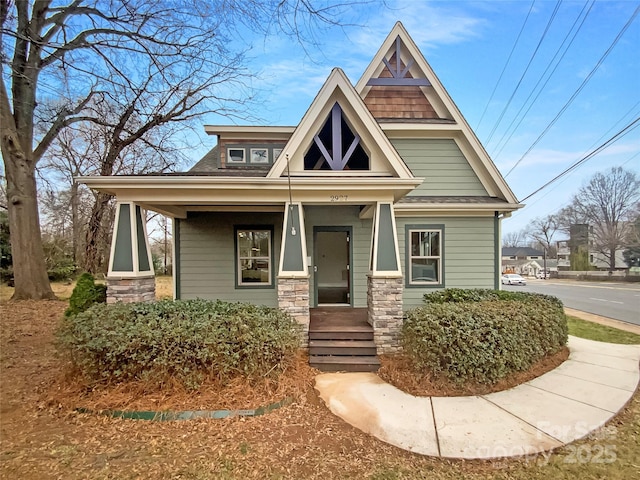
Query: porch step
[[341, 333], [334, 363], [342, 347]]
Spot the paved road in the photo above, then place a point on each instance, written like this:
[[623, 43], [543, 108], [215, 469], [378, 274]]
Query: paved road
[[614, 300]]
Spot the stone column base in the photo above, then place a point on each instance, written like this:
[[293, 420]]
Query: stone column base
[[293, 298], [384, 302], [130, 290]]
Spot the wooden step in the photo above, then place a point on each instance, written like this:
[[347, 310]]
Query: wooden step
[[342, 347], [332, 363], [343, 333]]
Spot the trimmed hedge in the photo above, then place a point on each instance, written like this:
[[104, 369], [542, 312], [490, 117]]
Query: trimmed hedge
[[184, 340], [482, 335]]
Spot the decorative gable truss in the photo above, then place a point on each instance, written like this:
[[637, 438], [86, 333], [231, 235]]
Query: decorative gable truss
[[399, 72], [329, 152], [338, 134]]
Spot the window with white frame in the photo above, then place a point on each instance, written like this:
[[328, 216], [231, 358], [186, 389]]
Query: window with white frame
[[425, 256], [253, 257]]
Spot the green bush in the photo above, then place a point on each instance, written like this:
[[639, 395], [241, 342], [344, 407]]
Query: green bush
[[85, 294], [184, 340], [482, 335]]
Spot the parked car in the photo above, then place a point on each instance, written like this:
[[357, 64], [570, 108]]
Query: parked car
[[542, 274], [513, 279]]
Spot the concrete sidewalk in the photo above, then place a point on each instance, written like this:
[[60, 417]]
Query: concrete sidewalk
[[552, 410]]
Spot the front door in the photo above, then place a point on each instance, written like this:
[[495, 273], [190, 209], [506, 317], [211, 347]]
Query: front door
[[332, 269]]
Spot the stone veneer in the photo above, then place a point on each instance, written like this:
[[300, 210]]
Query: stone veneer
[[384, 302], [293, 298], [129, 290]]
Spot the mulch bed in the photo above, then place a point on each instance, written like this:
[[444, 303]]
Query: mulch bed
[[41, 436]]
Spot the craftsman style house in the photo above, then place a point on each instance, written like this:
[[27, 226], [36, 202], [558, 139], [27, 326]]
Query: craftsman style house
[[380, 194]]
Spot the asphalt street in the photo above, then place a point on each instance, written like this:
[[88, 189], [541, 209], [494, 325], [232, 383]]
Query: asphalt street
[[620, 301]]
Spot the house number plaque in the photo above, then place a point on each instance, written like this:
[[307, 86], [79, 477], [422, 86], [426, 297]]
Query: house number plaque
[[338, 198]]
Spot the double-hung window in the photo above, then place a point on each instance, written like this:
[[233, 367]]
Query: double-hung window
[[254, 262], [425, 256]]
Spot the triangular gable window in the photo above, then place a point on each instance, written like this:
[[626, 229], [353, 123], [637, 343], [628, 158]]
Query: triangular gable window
[[336, 146]]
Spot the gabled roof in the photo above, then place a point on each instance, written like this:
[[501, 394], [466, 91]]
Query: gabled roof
[[443, 105], [385, 160]]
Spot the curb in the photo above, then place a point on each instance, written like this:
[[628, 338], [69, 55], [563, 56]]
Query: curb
[[188, 414]]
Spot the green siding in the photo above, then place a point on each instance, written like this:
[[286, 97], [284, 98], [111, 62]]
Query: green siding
[[293, 261], [123, 253], [386, 254], [445, 169], [208, 261], [332, 216], [143, 258], [469, 253]]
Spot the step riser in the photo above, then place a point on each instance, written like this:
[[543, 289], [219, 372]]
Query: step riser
[[339, 367], [344, 351], [340, 335]]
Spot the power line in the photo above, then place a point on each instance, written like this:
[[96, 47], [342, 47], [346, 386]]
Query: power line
[[590, 155], [542, 77], [515, 90], [579, 89], [506, 64], [615, 125]]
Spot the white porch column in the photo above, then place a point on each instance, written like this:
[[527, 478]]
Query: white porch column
[[293, 271], [384, 284], [130, 277]]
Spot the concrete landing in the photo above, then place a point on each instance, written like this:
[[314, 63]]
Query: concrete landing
[[552, 410]]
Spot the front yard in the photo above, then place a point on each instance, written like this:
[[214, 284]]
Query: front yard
[[41, 438]]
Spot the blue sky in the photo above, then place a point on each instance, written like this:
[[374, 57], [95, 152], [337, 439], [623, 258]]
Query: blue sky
[[467, 44]]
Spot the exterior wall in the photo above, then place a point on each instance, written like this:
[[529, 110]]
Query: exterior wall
[[343, 215], [469, 253], [207, 259], [445, 169]]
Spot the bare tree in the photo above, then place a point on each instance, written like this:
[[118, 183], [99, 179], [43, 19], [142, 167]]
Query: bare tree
[[608, 202], [166, 61], [514, 239], [541, 231]]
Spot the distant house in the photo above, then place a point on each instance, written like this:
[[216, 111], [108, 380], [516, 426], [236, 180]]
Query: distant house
[[380, 194], [523, 260]]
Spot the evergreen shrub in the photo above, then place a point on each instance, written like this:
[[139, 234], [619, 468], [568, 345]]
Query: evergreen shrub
[[86, 293], [482, 335], [185, 340]]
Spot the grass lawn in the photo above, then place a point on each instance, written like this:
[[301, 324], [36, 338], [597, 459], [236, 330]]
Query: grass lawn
[[600, 333]]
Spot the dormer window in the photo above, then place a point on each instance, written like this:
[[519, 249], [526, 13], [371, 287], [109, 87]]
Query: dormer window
[[336, 147], [236, 155]]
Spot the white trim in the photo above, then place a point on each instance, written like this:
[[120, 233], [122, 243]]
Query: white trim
[[244, 129], [304, 273], [133, 225], [376, 244], [174, 274]]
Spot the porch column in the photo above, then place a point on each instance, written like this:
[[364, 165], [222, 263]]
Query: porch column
[[293, 271], [384, 284], [130, 277]]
